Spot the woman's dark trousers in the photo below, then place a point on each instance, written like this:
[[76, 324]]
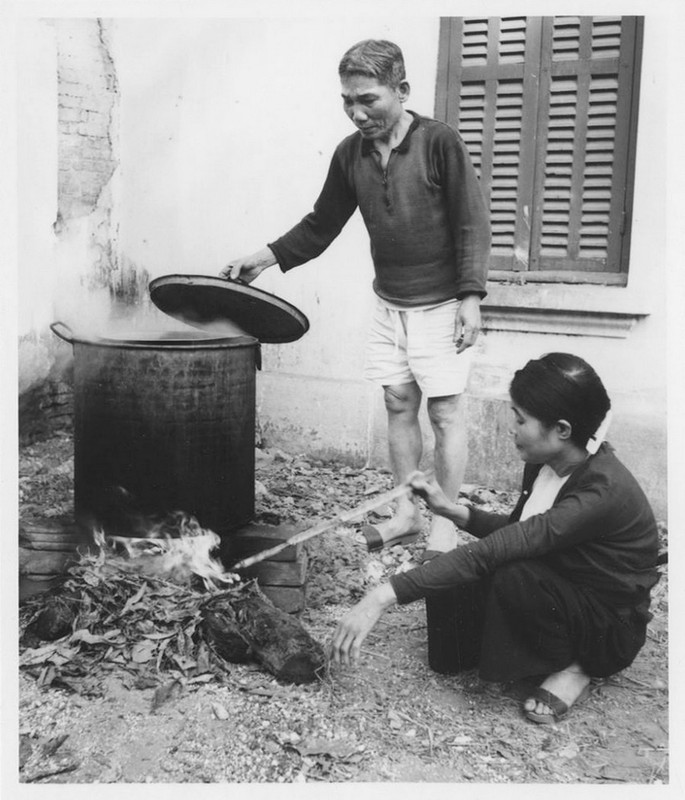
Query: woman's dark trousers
[[526, 620]]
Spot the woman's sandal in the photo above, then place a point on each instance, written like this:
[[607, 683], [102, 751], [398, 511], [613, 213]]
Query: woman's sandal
[[557, 706], [375, 542]]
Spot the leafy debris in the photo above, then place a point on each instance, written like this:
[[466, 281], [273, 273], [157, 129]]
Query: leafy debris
[[107, 616]]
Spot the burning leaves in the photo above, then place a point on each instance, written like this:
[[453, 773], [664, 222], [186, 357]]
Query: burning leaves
[[164, 613], [113, 612], [117, 619], [175, 548]]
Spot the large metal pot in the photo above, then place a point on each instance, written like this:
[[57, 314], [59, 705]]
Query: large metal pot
[[163, 422]]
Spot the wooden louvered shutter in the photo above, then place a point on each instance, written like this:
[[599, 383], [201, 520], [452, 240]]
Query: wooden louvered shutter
[[580, 185], [546, 107], [491, 98]]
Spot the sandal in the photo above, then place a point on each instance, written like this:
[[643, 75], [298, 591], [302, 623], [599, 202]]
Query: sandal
[[558, 707], [375, 542]]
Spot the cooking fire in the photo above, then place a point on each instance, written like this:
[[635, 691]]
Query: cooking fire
[[179, 556], [161, 607]]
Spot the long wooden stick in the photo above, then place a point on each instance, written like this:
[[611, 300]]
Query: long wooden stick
[[347, 516]]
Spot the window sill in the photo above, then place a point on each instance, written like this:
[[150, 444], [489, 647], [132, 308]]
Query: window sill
[[567, 309]]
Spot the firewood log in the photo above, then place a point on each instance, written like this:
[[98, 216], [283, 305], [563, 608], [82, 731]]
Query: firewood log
[[56, 619], [221, 630], [278, 641]]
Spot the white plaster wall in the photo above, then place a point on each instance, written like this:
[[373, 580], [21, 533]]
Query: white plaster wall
[[36, 162], [37, 168], [227, 130], [57, 261]]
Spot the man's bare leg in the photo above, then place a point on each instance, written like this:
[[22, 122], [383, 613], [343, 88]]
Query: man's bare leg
[[405, 446], [448, 419]]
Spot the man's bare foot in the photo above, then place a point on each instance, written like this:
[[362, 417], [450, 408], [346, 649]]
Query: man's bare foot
[[567, 685], [406, 521], [442, 535]]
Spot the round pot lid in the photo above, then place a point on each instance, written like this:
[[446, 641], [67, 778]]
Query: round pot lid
[[216, 305]]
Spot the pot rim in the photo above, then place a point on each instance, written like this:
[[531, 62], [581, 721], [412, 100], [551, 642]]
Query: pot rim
[[160, 340]]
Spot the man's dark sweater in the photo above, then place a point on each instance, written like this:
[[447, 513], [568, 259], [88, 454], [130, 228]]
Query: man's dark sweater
[[600, 534], [425, 214]]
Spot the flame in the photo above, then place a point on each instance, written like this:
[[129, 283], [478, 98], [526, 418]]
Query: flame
[[175, 547]]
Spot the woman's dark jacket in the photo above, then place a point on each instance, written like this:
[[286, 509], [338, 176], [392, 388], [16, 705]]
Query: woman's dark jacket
[[600, 533]]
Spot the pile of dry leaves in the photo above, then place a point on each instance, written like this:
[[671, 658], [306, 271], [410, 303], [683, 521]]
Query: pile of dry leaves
[[108, 617]]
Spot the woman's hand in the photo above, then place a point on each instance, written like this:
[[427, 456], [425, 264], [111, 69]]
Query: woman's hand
[[355, 626], [437, 500], [430, 491]]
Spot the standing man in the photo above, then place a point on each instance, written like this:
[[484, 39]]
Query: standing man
[[418, 194]]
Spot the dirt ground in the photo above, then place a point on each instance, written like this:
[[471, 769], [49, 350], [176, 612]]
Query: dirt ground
[[391, 719]]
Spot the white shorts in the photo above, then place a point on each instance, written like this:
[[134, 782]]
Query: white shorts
[[417, 345]]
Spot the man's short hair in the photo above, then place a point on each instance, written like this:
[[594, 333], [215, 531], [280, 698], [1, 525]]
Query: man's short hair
[[374, 58]]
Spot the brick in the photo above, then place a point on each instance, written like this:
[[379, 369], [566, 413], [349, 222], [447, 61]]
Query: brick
[[68, 76], [52, 534], [279, 573], [288, 599], [45, 562], [96, 129], [72, 98], [98, 152], [71, 114], [255, 537]]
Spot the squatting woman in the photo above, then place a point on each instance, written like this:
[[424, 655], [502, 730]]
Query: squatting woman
[[557, 592]]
